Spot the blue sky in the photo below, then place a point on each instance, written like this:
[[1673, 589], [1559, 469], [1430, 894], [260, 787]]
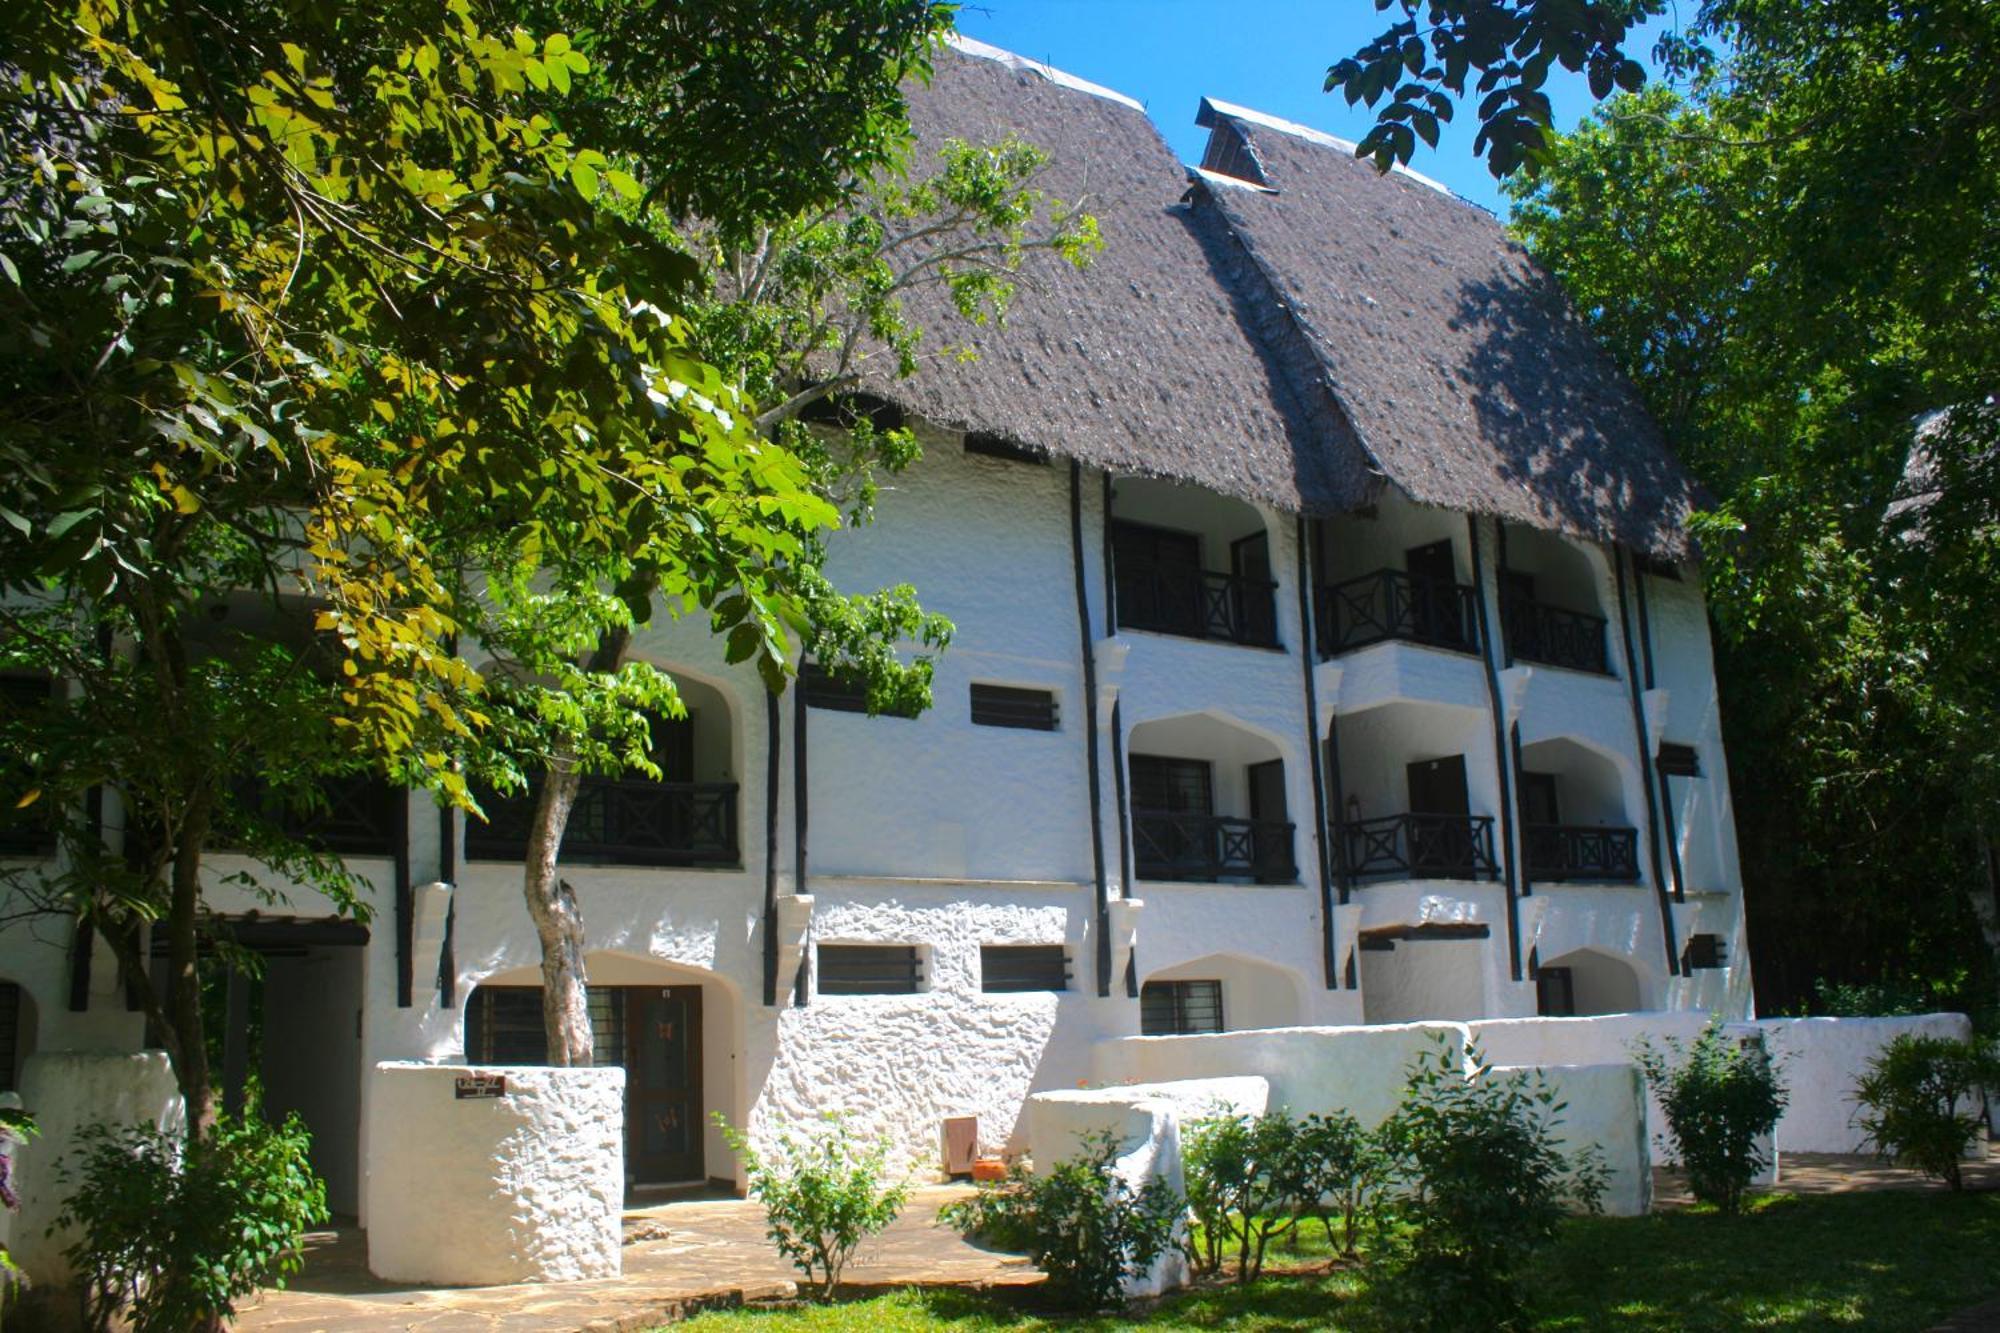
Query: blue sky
[[1270, 55]]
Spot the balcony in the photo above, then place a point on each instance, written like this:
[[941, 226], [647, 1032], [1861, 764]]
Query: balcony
[[1559, 852], [1393, 604], [1196, 603], [1553, 636], [1211, 848], [622, 821], [1412, 846]]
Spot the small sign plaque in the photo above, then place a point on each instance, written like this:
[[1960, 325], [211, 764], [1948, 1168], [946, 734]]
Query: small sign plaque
[[479, 1087]]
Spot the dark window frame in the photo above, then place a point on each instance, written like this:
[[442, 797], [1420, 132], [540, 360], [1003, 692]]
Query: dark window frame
[[1016, 706], [1013, 969], [834, 693], [1704, 952]]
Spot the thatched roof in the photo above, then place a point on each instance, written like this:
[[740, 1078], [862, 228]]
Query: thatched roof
[[1302, 342], [1139, 364]]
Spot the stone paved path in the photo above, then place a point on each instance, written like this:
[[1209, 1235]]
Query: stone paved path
[[679, 1258]]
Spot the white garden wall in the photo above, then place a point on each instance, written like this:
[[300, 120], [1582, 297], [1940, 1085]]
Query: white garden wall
[[1603, 1111], [66, 1091], [1360, 1070], [523, 1187], [1820, 1061]]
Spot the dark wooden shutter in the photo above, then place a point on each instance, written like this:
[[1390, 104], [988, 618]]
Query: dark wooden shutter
[[870, 969], [1007, 706], [1007, 968]]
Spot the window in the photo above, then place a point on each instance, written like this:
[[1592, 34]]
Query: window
[[1173, 786], [1006, 968], [503, 1026], [836, 693], [1006, 706], [995, 446], [1678, 761], [1703, 951], [870, 969], [1175, 1008]]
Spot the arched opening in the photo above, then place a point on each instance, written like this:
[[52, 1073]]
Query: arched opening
[[675, 1030], [1549, 604], [689, 816], [1414, 803], [1219, 993], [1573, 822], [1208, 803], [1584, 982], [1190, 562]]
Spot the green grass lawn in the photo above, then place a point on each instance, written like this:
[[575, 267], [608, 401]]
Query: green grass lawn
[[1858, 1261]]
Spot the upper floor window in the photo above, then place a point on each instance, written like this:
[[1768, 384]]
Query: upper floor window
[[1007, 706], [870, 969]]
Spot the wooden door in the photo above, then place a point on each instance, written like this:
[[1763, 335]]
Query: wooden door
[[1434, 603], [1439, 832], [1437, 786], [663, 1103], [1253, 608], [1271, 839], [1539, 806]]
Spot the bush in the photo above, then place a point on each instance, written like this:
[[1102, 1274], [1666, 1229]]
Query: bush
[[822, 1198], [171, 1235], [1481, 1186], [1252, 1179], [1721, 1096], [1911, 1096], [1081, 1223]]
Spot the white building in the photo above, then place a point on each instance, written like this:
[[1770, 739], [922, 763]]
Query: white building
[[1330, 650]]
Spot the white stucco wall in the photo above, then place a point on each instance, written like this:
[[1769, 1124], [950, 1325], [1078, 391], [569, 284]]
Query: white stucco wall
[[1603, 1111], [526, 1187], [67, 1091], [1360, 1070], [1821, 1059]]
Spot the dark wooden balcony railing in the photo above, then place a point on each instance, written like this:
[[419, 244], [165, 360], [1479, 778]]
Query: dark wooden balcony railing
[[1558, 852], [360, 815], [1196, 603], [1210, 848], [1395, 604], [622, 821], [1417, 847], [1553, 636]]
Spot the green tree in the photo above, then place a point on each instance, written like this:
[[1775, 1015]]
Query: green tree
[[313, 300], [1792, 260]]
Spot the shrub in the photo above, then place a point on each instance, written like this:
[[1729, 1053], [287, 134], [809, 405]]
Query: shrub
[[1721, 1096], [1481, 1184], [1911, 1095], [1081, 1223], [1252, 1179], [171, 1236], [822, 1197]]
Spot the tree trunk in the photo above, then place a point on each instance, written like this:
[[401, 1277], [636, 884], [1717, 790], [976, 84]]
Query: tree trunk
[[184, 972], [558, 923], [1983, 889]]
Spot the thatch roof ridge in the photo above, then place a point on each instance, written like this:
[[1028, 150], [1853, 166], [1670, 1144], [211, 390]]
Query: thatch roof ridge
[[1227, 335], [1466, 375], [1139, 365]]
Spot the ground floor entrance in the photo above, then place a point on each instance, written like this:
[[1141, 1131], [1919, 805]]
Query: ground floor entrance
[[654, 1033]]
